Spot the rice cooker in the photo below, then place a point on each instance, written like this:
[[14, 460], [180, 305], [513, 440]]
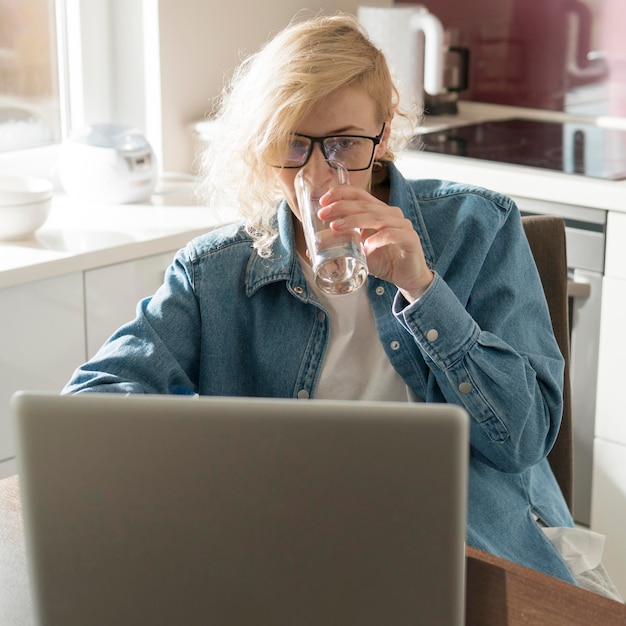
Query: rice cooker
[[108, 163]]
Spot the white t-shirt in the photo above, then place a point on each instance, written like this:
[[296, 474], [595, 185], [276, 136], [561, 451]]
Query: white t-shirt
[[356, 366]]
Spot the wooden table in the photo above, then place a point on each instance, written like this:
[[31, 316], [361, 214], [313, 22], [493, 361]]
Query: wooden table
[[15, 599]]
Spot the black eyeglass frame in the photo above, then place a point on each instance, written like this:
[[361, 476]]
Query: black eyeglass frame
[[375, 141]]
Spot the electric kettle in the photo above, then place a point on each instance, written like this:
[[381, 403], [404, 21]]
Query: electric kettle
[[412, 40]]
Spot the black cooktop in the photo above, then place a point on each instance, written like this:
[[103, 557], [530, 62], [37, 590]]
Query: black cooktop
[[570, 147]]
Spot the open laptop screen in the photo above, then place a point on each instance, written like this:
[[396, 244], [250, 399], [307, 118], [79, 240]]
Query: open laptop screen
[[170, 510]]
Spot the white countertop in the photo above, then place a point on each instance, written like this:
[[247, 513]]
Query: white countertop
[[515, 180], [79, 236]]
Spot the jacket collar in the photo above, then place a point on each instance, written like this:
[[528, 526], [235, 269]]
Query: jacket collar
[[282, 263]]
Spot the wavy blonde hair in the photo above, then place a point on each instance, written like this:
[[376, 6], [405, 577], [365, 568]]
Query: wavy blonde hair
[[268, 96]]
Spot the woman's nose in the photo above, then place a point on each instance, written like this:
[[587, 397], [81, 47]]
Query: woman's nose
[[318, 170]]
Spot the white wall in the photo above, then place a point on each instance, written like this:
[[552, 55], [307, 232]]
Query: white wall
[[202, 40]]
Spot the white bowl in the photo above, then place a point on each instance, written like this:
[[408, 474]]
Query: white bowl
[[24, 205]]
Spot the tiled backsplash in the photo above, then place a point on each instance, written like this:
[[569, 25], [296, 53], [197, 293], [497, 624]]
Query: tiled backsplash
[[563, 55]]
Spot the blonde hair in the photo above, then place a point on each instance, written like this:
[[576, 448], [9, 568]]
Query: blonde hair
[[268, 96]]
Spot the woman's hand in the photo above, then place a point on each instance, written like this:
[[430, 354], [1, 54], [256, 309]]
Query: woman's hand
[[392, 247]]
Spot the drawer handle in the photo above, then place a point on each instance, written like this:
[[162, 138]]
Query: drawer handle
[[578, 290]]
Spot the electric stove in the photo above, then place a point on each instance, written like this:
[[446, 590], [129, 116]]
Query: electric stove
[[576, 148]]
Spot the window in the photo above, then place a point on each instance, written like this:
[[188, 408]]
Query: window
[[30, 101], [67, 63]]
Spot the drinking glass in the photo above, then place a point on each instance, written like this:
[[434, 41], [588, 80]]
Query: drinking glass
[[337, 259]]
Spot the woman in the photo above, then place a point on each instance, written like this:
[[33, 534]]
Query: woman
[[453, 310]]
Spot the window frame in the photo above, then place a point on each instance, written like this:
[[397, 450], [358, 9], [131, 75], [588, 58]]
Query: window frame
[[108, 66]]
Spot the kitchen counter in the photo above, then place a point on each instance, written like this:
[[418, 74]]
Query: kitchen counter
[[514, 180], [79, 236], [66, 288]]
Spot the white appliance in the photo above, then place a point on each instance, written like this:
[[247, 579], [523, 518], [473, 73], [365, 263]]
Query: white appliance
[[108, 163], [412, 39]]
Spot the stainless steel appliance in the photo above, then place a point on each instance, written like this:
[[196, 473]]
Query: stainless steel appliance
[[455, 80]]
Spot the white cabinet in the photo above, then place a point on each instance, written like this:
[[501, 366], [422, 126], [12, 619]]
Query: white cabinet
[[611, 402], [49, 327], [608, 507], [112, 294], [42, 339]]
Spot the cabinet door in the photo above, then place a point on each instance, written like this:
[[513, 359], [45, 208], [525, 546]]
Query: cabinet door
[[610, 419], [112, 294], [42, 339], [608, 508], [615, 264]]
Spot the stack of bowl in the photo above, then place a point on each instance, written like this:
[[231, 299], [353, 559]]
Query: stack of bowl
[[24, 205]]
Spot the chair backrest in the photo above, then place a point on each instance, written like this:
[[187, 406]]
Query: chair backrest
[[546, 236]]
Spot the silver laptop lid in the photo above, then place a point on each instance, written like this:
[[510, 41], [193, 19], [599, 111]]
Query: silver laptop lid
[[169, 510]]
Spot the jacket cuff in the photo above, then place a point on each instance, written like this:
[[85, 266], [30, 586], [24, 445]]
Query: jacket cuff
[[445, 338]]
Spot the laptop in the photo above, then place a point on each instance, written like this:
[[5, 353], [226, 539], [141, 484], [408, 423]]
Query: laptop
[[236, 511]]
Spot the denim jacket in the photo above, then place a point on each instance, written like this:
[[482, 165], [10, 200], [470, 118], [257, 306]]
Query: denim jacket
[[228, 322]]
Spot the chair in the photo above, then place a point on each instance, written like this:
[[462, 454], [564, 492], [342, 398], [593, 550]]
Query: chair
[[546, 236]]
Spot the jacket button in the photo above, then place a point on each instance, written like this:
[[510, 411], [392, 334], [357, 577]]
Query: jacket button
[[303, 394], [321, 317], [380, 290], [432, 335], [394, 345], [299, 290], [465, 388]]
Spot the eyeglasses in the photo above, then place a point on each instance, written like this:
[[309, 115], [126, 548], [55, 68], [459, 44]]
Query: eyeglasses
[[354, 152]]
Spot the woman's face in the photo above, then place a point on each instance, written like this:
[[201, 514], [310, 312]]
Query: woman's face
[[347, 111]]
